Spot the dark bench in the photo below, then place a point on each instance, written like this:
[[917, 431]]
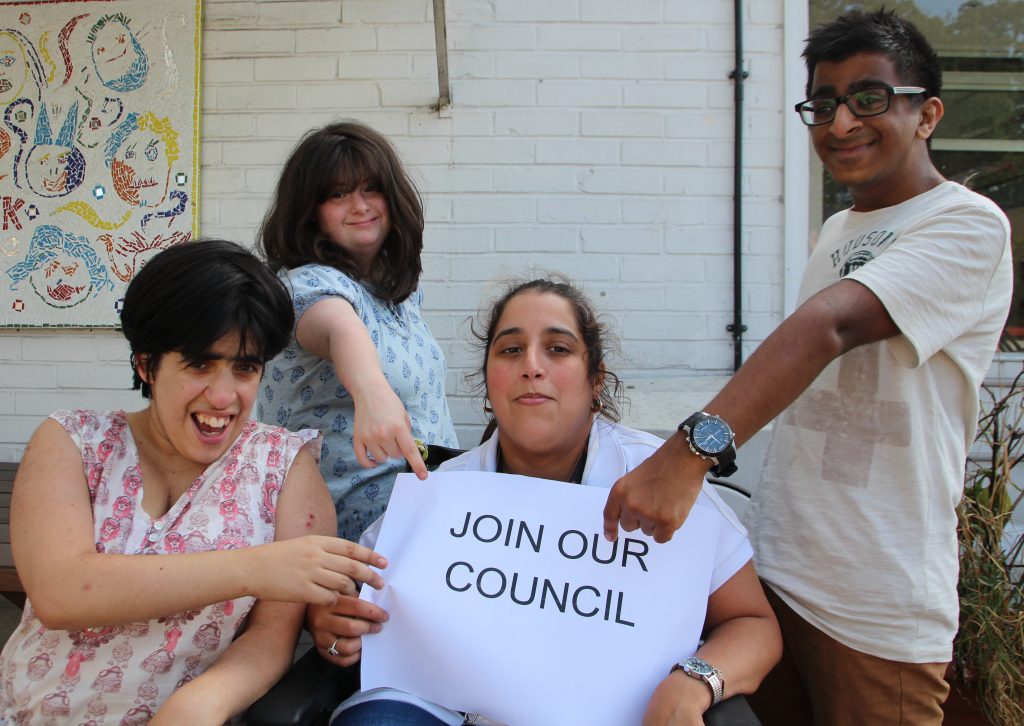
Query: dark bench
[[10, 583]]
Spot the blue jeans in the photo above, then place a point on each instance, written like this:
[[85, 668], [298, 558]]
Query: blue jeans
[[386, 713]]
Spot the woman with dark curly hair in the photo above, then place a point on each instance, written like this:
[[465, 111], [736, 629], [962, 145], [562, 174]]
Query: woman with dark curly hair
[[554, 407]]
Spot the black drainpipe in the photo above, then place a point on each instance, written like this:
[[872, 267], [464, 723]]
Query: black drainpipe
[[737, 328]]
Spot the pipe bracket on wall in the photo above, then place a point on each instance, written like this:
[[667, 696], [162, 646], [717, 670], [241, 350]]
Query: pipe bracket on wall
[[444, 87]]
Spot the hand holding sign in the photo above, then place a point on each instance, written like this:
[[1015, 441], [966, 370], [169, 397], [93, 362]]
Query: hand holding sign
[[341, 627], [468, 551]]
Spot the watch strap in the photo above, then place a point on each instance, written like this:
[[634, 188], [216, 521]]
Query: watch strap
[[725, 463], [693, 418]]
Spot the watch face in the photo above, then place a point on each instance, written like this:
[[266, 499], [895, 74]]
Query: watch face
[[711, 435], [698, 666]]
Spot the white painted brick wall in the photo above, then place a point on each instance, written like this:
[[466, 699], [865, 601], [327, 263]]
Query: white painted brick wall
[[587, 136]]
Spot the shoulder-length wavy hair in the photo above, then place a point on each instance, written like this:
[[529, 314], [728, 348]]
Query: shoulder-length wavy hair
[[344, 155]]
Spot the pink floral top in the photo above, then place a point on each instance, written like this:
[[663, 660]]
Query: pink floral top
[[121, 674]]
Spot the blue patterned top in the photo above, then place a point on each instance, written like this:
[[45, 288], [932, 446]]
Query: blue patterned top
[[301, 390]]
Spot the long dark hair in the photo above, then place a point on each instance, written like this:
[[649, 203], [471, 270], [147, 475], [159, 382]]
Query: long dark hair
[[344, 155], [191, 295], [596, 337]]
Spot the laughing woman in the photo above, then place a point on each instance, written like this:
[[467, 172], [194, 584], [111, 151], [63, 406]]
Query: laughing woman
[[554, 413], [200, 629]]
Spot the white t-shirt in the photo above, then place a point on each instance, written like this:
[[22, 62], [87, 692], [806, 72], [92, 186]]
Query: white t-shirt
[[612, 451], [854, 522]]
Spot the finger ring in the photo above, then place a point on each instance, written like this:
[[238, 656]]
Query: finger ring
[[332, 650], [370, 456]]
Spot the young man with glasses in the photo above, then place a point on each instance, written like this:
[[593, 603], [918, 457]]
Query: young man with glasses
[[876, 378]]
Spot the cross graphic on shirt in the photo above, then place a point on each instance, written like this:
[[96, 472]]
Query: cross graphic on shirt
[[852, 418]]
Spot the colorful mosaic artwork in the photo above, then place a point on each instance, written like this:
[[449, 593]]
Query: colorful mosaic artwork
[[99, 162]]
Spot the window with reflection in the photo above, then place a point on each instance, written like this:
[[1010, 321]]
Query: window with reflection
[[980, 141]]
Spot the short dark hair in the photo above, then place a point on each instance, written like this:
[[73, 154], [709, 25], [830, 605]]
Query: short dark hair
[[880, 31], [597, 339], [343, 155], [191, 295]]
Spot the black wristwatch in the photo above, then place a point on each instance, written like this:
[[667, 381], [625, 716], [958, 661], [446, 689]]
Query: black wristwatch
[[711, 438]]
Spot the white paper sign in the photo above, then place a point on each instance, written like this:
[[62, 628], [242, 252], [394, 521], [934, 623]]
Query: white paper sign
[[506, 600]]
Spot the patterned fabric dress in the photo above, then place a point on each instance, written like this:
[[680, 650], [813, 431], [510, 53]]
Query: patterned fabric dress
[[121, 674], [302, 390]]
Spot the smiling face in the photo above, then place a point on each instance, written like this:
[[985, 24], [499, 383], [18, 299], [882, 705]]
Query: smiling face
[[49, 169], [882, 159], [199, 407], [53, 170], [63, 281], [357, 221], [113, 51], [140, 169], [537, 379]]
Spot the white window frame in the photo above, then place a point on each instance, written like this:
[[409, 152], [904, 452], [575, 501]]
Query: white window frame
[[796, 181]]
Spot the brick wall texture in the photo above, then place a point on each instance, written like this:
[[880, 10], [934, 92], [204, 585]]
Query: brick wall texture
[[591, 137]]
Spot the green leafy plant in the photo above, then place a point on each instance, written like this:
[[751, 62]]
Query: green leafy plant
[[989, 648]]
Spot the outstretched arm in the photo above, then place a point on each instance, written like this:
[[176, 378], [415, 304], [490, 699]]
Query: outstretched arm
[[742, 641], [332, 330], [343, 624], [72, 586], [657, 496]]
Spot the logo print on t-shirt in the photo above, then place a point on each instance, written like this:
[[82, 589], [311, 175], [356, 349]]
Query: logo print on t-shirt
[[852, 418], [857, 259], [852, 251]]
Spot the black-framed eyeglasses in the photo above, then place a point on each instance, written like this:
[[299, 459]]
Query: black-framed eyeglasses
[[866, 102]]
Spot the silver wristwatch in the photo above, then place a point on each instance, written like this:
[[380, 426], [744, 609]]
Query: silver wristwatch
[[698, 668]]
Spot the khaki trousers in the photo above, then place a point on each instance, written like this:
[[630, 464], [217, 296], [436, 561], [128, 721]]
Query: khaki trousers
[[822, 682]]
